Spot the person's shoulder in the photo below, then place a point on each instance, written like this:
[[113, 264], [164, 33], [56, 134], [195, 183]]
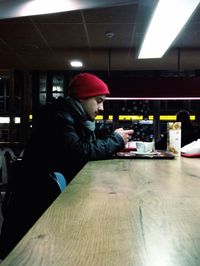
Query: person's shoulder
[[62, 110], [48, 112], [50, 108]]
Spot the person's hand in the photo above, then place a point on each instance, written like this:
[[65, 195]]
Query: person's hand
[[125, 134]]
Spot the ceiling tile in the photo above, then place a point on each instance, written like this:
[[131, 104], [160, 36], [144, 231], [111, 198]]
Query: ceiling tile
[[63, 17], [117, 14], [18, 35], [64, 35], [121, 38]]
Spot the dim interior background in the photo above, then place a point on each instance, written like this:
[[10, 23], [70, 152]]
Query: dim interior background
[[151, 99], [35, 66], [35, 52]]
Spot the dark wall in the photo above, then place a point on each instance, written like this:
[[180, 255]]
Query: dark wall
[[140, 84], [149, 83], [154, 86]]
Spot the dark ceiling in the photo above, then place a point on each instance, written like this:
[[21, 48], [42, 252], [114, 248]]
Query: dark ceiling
[[50, 41]]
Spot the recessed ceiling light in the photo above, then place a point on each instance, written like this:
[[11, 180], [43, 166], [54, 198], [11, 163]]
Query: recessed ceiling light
[[76, 63]]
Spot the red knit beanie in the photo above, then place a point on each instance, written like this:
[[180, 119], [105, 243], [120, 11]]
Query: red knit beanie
[[87, 85]]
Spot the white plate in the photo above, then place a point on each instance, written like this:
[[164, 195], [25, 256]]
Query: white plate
[[144, 153]]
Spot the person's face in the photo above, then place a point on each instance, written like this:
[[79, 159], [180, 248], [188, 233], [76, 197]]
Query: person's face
[[93, 105]]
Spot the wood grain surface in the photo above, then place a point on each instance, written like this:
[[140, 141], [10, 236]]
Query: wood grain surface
[[120, 213]]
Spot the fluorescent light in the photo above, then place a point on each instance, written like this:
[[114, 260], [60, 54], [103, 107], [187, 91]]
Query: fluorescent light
[[169, 18], [17, 120], [36, 7], [21, 8], [76, 63], [4, 120]]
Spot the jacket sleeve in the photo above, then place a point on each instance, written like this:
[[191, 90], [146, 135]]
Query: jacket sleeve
[[82, 148]]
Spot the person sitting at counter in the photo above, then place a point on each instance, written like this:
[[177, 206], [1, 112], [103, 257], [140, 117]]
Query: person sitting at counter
[[187, 130], [63, 140]]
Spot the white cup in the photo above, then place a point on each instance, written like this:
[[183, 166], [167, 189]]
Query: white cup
[[140, 146], [144, 147], [149, 146]]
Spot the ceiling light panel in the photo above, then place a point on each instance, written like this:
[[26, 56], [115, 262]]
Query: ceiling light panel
[[169, 18]]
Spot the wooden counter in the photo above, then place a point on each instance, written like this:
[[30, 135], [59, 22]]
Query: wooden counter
[[120, 213]]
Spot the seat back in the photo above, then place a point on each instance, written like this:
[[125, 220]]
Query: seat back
[[13, 172], [6, 157], [60, 180], [8, 162]]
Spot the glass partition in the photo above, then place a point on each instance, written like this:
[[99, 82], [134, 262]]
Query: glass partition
[[148, 118]]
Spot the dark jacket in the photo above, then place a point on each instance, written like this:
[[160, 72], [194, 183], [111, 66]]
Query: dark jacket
[[62, 141]]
